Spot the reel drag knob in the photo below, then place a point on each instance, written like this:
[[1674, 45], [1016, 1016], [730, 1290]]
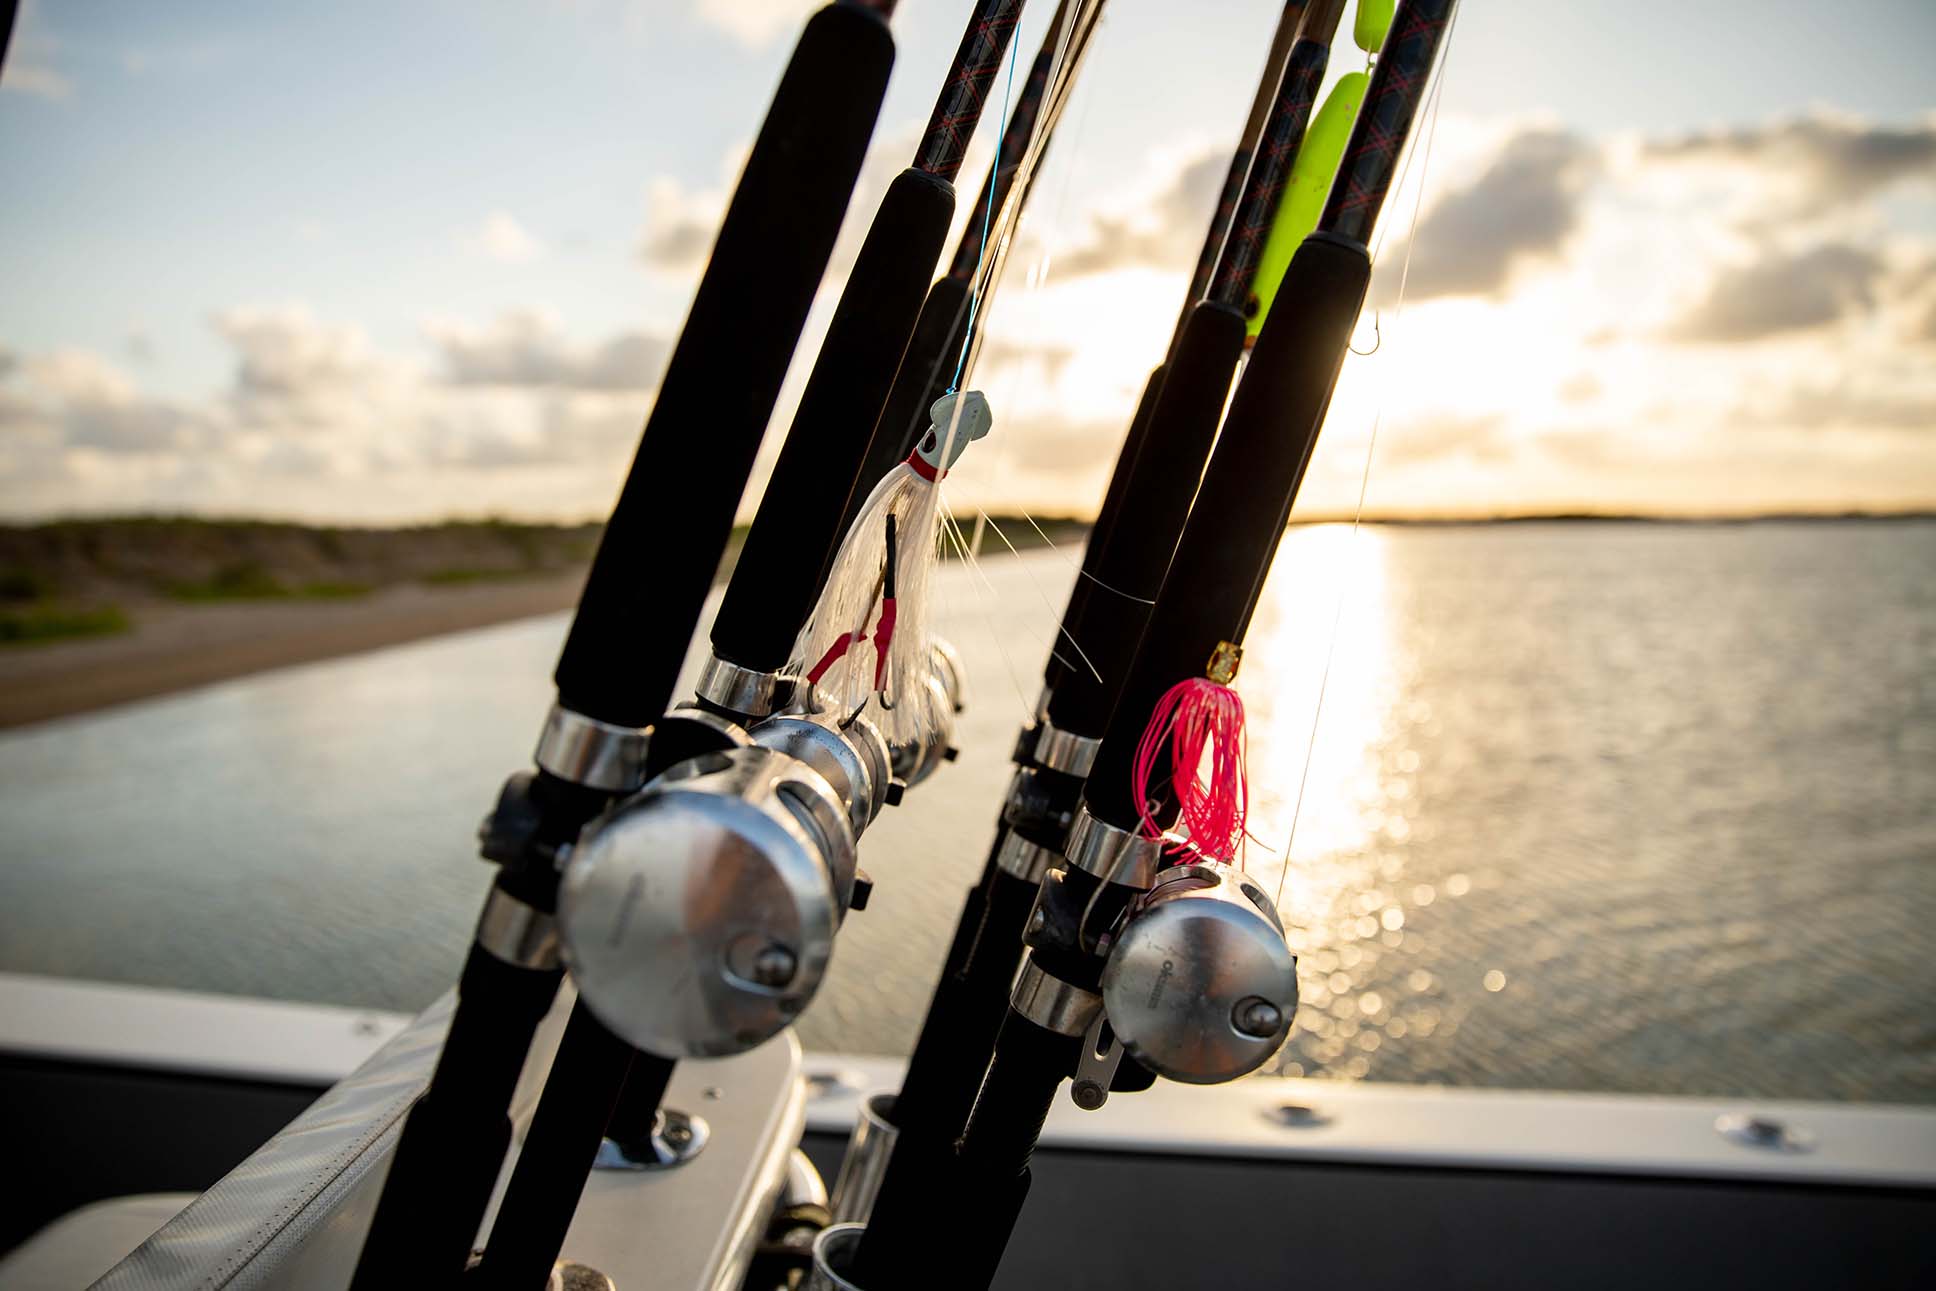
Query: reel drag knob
[[698, 915], [1200, 985]]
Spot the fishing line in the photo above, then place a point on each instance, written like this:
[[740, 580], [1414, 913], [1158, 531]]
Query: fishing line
[[1083, 573], [997, 243], [1371, 448], [984, 270], [988, 521], [952, 531], [987, 220]]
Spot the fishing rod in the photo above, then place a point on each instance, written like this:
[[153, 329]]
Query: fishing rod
[[621, 658], [626, 1030], [970, 999], [1289, 24], [962, 294], [1185, 970], [790, 547], [1289, 21], [1128, 565]]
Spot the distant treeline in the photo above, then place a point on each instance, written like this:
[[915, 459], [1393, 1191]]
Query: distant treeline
[[96, 562], [188, 559]]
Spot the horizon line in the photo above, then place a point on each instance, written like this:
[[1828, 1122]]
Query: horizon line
[[1448, 517]]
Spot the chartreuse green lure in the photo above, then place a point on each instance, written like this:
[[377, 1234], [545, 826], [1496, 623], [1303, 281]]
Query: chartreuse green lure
[[1310, 183], [1317, 162], [1372, 23]]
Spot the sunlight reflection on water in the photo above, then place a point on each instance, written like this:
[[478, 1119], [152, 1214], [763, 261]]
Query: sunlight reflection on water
[[1628, 807]]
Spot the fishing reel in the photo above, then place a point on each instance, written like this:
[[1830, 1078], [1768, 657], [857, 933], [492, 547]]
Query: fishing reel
[[1200, 985], [947, 696], [852, 755], [698, 916]]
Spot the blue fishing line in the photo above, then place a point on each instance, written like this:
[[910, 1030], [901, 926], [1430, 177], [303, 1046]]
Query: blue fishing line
[[987, 218]]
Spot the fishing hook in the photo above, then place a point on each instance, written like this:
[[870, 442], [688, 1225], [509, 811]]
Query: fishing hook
[[884, 631], [1377, 339]]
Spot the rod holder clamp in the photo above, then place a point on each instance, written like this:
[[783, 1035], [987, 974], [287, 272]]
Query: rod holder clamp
[[1113, 855], [1022, 859], [745, 691], [518, 933], [1064, 751], [588, 752], [1053, 1004]]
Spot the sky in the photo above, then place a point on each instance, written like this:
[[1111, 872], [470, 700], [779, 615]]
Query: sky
[[379, 262]]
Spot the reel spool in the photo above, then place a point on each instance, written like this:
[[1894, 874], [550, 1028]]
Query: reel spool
[[1200, 985], [947, 687], [697, 917], [854, 758]]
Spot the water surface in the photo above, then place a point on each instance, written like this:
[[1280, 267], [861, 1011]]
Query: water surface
[[1589, 806]]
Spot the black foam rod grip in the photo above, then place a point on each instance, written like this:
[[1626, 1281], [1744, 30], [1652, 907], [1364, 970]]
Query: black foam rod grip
[[796, 529], [927, 367], [668, 530], [589, 1070], [1244, 503], [898, 1248], [456, 1135], [1129, 571], [1063, 655]]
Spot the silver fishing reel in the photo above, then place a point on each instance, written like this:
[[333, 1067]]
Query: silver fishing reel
[[1200, 985], [951, 673], [947, 688], [853, 756], [697, 916]]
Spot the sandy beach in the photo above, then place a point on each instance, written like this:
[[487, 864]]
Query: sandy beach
[[179, 646], [199, 601]]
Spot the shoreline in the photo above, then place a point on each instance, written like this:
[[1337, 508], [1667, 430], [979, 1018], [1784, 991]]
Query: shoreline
[[177, 647]]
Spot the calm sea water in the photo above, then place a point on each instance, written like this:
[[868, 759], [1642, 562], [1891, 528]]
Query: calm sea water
[[1588, 806]]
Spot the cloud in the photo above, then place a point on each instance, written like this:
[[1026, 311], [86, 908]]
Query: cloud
[[1062, 446], [1848, 405], [1520, 210], [755, 23], [1045, 362], [1832, 160], [1782, 293], [181, 57], [295, 372], [44, 82], [287, 352], [313, 422], [1438, 437], [501, 237], [77, 399], [1166, 232], [1581, 387], [528, 349], [29, 67], [680, 224]]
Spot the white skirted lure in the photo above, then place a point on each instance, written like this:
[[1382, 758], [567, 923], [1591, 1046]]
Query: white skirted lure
[[880, 579]]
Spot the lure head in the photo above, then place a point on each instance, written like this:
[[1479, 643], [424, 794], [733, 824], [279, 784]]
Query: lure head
[[955, 421]]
